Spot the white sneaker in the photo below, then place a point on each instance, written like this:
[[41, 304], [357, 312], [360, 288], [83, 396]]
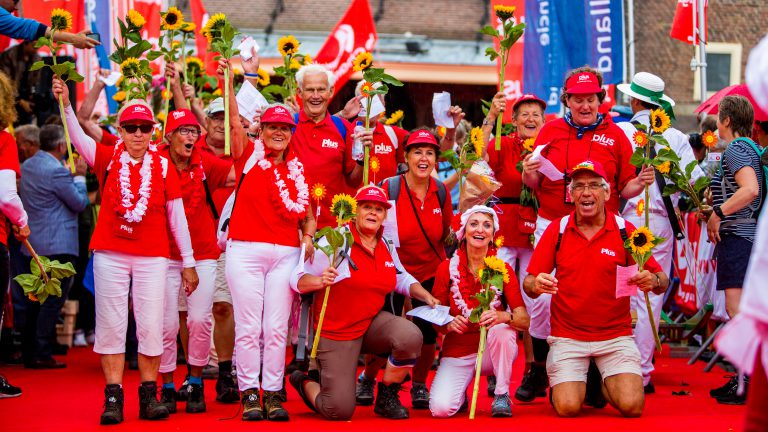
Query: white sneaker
[[79, 339]]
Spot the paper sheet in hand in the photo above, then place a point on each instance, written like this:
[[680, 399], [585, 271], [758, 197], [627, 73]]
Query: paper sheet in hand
[[441, 103], [440, 315], [247, 47], [249, 99], [390, 225], [111, 79], [376, 107], [546, 167], [623, 274]]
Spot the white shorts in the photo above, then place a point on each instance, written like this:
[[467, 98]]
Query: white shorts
[[568, 359]]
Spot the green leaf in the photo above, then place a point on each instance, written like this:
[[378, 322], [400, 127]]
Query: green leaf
[[491, 53], [42, 41], [690, 167], [37, 65], [701, 184], [75, 76], [133, 37], [61, 270], [638, 157], [152, 55], [42, 297], [389, 79], [26, 281], [60, 69], [53, 287], [474, 316], [490, 31], [669, 190]]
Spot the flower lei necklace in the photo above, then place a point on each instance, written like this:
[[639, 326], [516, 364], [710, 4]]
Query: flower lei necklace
[[297, 207], [461, 284], [129, 210]]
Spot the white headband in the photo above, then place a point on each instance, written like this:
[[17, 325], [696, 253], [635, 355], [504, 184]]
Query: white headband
[[477, 209]]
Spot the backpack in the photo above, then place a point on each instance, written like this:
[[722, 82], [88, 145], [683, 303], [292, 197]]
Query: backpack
[[393, 189], [763, 158], [341, 128], [620, 222]]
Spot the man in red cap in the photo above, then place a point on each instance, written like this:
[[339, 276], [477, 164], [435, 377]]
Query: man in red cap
[[200, 174], [587, 321]]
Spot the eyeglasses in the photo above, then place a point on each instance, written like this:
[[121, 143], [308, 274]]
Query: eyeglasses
[[144, 128], [187, 131], [580, 187]]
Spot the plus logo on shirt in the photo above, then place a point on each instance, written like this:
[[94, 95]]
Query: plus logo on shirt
[[389, 264], [604, 140], [383, 149], [329, 143], [606, 251], [437, 211]]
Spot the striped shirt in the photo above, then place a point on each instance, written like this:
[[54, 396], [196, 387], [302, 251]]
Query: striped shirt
[[739, 154]]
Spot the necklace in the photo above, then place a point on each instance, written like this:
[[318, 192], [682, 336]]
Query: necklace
[[463, 283], [129, 209], [293, 171]]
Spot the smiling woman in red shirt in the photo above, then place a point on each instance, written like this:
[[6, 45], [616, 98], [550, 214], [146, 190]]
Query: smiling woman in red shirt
[[141, 199]]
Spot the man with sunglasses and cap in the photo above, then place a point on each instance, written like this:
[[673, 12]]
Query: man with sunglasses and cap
[[646, 92]]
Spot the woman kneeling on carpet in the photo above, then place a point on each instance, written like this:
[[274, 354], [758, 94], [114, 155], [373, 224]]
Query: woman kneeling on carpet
[[456, 282], [354, 322]]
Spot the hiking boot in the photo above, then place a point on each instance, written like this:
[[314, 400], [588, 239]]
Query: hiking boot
[[196, 400], [502, 406], [149, 407], [252, 405], [731, 396], [388, 402], [226, 390], [491, 379], [168, 397], [364, 391], [113, 405], [594, 396], [282, 395], [7, 390], [419, 396], [297, 380], [721, 391], [535, 383], [183, 394], [274, 407]]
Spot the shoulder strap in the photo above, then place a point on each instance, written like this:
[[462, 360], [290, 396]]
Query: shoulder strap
[[441, 193], [209, 199], [418, 219], [391, 134], [393, 187], [563, 224], [622, 224], [340, 126], [237, 189]]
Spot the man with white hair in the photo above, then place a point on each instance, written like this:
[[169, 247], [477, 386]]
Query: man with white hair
[[646, 93]]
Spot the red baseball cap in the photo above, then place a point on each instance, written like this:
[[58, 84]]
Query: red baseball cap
[[421, 136], [137, 112], [529, 98], [583, 83], [178, 118], [373, 194], [594, 167], [277, 114]]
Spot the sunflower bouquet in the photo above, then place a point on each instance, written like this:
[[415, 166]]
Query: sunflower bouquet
[[527, 197], [640, 245], [492, 276], [221, 35], [187, 30], [61, 21], [375, 84], [506, 35], [137, 74], [468, 153], [288, 46], [171, 22], [343, 207]]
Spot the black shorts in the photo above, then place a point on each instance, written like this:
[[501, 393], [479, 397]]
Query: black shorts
[[732, 254], [393, 304]]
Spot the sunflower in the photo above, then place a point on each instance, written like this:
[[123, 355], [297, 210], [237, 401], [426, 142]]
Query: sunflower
[[664, 168], [173, 19], [343, 207], [188, 27], [217, 92], [375, 164], [441, 131], [641, 241], [659, 120], [288, 45], [496, 265], [194, 66], [318, 191], [294, 65], [166, 94], [504, 12], [61, 20], [366, 89], [362, 61], [263, 79], [135, 20], [119, 96], [640, 138], [395, 118], [499, 242], [307, 59], [160, 117], [709, 139], [528, 144], [130, 67], [476, 138], [640, 207], [212, 28]]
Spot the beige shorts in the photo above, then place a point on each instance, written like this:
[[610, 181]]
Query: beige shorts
[[221, 293], [568, 359]]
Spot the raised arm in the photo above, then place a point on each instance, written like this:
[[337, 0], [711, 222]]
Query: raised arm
[[238, 137], [86, 109], [84, 144]]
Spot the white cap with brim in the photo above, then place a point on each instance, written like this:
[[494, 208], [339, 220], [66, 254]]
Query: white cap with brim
[[648, 88], [216, 106]]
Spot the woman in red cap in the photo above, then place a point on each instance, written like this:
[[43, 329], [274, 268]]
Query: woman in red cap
[[354, 322], [141, 199], [200, 174], [583, 134], [422, 219]]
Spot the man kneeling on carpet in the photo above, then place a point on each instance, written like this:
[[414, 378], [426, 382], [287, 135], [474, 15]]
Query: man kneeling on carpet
[[354, 322], [456, 282], [585, 250]]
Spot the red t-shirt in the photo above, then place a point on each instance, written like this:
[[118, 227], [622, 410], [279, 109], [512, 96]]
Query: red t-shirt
[[9, 160], [388, 153], [202, 226], [355, 301], [107, 139], [504, 165], [460, 345], [606, 144], [259, 214], [148, 237], [220, 195], [585, 307], [327, 159], [417, 256]]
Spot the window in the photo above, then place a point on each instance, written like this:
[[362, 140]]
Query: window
[[723, 68]]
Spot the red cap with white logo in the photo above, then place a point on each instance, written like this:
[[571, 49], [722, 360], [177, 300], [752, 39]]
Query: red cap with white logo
[[277, 114], [529, 98], [178, 118], [138, 112], [421, 136], [583, 83], [594, 167], [372, 193]]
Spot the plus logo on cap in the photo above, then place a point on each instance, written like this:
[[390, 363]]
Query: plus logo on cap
[[139, 109], [424, 134], [280, 110], [178, 114], [585, 78]]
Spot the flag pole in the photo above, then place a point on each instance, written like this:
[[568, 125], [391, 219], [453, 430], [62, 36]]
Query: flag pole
[[702, 49]]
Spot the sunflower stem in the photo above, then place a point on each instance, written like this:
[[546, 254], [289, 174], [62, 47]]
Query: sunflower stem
[[478, 370], [366, 150], [504, 53], [653, 322], [226, 112], [184, 62], [316, 341], [70, 157]]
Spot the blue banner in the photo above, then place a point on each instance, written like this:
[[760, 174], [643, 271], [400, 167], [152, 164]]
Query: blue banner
[[566, 34], [99, 17]]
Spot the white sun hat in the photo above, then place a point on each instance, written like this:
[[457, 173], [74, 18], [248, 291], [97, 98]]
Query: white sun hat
[[648, 88]]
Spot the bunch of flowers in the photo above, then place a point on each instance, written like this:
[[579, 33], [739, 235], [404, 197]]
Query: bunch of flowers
[[128, 54], [221, 35], [293, 60], [172, 22], [640, 245], [468, 153]]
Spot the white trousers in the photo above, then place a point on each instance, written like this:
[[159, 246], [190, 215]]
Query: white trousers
[[660, 227], [258, 276], [455, 373], [539, 312], [199, 315], [115, 275]]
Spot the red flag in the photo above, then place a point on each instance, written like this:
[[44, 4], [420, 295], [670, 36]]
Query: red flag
[[513, 73], [355, 33], [685, 23]]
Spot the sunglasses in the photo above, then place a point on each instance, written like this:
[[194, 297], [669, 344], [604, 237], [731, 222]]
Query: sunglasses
[[132, 128]]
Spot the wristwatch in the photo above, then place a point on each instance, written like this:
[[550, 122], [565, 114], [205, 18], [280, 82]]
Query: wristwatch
[[487, 121], [718, 211]]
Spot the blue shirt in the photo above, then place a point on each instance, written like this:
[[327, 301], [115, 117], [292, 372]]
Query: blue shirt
[[20, 28]]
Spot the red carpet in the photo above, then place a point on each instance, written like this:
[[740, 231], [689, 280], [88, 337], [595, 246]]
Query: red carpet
[[71, 400]]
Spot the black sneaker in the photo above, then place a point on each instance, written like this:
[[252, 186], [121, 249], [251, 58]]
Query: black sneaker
[[183, 394], [149, 407], [297, 380], [388, 402], [7, 390], [226, 390], [731, 397], [535, 383], [168, 398], [273, 407], [252, 405], [491, 379], [722, 391], [419, 396], [364, 391], [113, 405], [196, 400]]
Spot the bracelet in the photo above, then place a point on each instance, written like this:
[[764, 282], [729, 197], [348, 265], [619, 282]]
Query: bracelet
[[487, 121], [718, 211], [250, 75], [311, 236]]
